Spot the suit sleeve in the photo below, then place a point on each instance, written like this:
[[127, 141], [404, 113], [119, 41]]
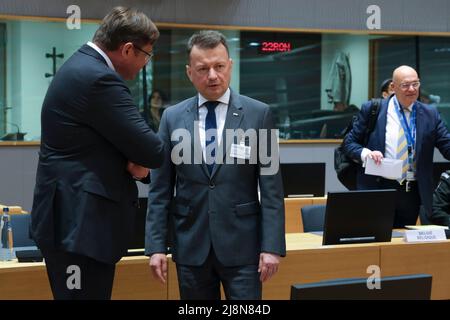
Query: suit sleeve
[[114, 115], [159, 197], [353, 141], [272, 195]]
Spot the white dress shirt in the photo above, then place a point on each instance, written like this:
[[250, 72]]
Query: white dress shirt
[[221, 114], [102, 53]]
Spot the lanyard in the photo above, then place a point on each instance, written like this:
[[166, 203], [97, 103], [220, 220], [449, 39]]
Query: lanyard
[[409, 129]]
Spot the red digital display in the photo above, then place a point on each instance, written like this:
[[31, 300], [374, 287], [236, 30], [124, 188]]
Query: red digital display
[[275, 46]]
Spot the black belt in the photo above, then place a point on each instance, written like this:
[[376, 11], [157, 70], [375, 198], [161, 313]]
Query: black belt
[[388, 183]]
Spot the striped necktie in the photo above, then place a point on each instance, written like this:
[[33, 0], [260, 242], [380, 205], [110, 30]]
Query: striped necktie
[[211, 124], [402, 153]]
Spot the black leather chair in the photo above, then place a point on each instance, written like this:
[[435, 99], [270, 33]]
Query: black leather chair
[[313, 217], [20, 224]]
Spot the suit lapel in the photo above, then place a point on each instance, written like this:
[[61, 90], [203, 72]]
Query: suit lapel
[[190, 121], [232, 122], [419, 129], [381, 127]]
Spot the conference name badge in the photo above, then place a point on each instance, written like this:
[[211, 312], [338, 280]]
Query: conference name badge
[[240, 151]]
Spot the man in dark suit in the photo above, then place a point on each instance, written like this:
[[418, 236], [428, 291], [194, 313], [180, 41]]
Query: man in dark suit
[[93, 143], [407, 130], [222, 232]]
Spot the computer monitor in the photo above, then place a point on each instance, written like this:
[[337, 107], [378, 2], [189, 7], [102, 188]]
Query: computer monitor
[[303, 179], [407, 287], [359, 216]]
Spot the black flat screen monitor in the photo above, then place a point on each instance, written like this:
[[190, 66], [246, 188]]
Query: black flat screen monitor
[[359, 216], [407, 287], [303, 179]]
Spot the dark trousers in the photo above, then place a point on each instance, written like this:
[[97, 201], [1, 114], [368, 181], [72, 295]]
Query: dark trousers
[[77, 277], [203, 282], [407, 205]]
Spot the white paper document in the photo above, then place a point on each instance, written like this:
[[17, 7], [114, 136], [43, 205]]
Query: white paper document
[[389, 168]]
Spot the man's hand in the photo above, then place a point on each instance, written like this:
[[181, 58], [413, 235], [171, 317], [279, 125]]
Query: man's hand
[[377, 156], [268, 265], [138, 172], [158, 264]]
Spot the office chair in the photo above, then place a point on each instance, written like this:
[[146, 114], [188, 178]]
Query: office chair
[[20, 224], [313, 217]]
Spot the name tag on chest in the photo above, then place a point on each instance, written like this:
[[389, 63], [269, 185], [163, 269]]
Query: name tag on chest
[[240, 151]]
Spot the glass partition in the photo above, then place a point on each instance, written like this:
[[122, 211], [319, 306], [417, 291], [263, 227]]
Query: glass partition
[[314, 82]]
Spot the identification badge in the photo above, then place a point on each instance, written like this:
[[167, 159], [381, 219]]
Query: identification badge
[[240, 151], [410, 176]]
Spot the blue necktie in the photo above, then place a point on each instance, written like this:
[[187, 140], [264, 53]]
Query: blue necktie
[[211, 124]]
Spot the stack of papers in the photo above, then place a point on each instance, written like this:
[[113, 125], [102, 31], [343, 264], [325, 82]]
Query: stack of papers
[[389, 168]]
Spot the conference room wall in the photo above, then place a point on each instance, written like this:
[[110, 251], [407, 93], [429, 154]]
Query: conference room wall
[[321, 14]]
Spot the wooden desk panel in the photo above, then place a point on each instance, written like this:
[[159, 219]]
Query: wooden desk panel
[[432, 258], [293, 217], [313, 265], [134, 281], [26, 281]]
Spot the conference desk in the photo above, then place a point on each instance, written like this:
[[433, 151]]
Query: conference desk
[[306, 261], [29, 281]]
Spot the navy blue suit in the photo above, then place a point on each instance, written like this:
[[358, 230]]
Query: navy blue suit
[[84, 198], [431, 132]]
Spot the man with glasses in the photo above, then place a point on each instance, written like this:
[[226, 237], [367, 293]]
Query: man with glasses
[[406, 130], [94, 144], [149, 55]]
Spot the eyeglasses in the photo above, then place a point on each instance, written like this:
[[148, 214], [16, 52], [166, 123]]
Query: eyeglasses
[[149, 54], [405, 86]]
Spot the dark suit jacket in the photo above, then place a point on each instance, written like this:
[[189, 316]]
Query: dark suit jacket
[[430, 133], [84, 197], [221, 210]]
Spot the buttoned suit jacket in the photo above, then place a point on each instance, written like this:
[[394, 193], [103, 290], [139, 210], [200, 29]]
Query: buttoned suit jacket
[[222, 210]]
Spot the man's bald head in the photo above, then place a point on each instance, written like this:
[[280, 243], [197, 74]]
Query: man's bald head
[[402, 72], [405, 83]]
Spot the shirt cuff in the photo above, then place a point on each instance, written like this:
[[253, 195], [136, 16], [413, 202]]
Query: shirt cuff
[[364, 154]]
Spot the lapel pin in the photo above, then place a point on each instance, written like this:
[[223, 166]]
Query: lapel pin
[[235, 114]]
